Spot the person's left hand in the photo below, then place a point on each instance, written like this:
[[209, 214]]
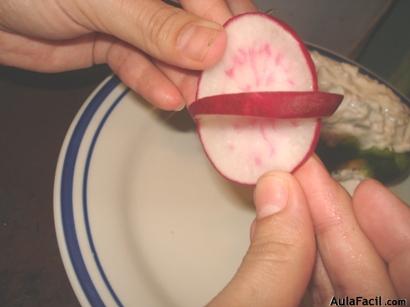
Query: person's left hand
[[141, 40]]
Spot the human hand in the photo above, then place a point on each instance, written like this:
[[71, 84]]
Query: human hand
[[363, 243], [278, 264], [153, 47]]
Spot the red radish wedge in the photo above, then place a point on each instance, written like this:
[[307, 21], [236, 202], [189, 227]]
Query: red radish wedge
[[262, 55], [269, 104]]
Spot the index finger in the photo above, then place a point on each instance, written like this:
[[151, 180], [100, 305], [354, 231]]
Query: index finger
[[353, 265], [386, 221]]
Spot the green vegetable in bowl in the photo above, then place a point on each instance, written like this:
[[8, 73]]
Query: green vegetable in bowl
[[345, 153]]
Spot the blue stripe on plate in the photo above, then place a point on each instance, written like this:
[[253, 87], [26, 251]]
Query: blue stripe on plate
[[67, 214]]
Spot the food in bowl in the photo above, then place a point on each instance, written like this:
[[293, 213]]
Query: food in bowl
[[369, 134]]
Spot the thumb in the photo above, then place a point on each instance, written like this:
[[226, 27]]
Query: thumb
[[165, 32], [278, 265]]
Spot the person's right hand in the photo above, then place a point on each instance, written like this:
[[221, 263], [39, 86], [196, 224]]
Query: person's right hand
[[363, 242], [153, 47]]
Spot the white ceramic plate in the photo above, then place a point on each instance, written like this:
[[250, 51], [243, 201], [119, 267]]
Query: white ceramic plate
[[141, 217]]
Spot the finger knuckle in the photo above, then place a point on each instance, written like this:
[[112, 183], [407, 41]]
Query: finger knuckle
[[160, 26], [116, 57], [328, 225], [270, 250]]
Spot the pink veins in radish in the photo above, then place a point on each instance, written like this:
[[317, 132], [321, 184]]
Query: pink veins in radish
[[262, 55], [249, 68], [243, 149]]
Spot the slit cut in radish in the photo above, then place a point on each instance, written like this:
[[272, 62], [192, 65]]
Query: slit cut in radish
[[262, 55], [269, 104]]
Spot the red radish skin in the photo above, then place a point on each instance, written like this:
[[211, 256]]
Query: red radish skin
[[262, 55], [269, 104]]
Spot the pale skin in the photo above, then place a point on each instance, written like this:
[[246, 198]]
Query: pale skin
[[309, 235]]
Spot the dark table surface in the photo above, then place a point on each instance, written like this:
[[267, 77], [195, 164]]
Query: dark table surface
[[35, 113]]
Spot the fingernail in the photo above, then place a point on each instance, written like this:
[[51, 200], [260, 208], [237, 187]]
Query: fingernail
[[195, 40], [271, 196], [170, 100], [180, 107]]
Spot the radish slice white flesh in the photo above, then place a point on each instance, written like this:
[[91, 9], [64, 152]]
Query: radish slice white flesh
[[262, 54], [243, 148], [269, 104]]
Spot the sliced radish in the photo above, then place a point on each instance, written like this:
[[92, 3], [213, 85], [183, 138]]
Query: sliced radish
[[269, 104], [244, 148], [262, 55]]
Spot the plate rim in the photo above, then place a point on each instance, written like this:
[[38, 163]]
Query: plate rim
[[76, 269], [98, 96]]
